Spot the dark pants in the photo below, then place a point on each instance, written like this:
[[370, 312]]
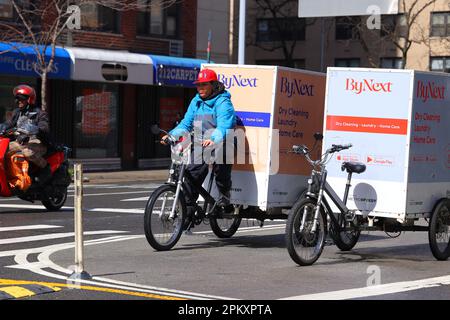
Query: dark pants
[[198, 172]]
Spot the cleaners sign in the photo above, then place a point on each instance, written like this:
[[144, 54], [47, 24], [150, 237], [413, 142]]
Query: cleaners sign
[[18, 60]]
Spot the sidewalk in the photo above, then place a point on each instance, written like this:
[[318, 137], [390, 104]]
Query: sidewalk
[[128, 176]]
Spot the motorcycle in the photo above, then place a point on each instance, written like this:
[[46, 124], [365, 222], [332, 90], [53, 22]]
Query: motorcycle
[[52, 192]]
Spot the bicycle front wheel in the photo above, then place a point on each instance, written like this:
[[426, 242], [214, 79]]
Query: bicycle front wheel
[[304, 245], [162, 231]]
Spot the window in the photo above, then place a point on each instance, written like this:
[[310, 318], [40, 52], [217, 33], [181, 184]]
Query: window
[[440, 64], [393, 25], [297, 63], [440, 24], [347, 62], [96, 125], [98, 18], [347, 28], [276, 29], [6, 9], [391, 63], [158, 20]]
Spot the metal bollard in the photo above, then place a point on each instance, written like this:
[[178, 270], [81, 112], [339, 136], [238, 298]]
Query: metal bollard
[[79, 272]]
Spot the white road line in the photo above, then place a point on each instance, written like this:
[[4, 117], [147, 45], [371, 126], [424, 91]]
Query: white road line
[[112, 210], [136, 199], [54, 236], [247, 229], [30, 227], [28, 206], [116, 193], [21, 259], [378, 290]]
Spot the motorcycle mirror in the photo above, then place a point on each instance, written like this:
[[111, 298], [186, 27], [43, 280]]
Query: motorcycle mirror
[[155, 129], [318, 136]]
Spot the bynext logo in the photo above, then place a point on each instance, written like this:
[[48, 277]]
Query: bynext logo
[[430, 90], [237, 81], [368, 85]]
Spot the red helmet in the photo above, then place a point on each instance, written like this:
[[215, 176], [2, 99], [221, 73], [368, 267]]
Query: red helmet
[[206, 75], [27, 91]]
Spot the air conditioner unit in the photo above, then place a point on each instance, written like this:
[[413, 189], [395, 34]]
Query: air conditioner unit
[[176, 48]]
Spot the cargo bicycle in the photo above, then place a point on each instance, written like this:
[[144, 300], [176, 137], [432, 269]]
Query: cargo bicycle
[[166, 215], [311, 217]]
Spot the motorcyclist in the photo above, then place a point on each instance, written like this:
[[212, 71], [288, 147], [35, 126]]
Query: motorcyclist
[[212, 107], [30, 125]]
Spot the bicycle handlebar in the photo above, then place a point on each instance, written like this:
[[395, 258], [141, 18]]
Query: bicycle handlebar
[[302, 149]]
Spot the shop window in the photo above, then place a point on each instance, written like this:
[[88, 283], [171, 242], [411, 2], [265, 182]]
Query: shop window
[[7, 104], [158, 20], [95, 17], [347, 63], [441, 64], [114, 72], [391, 63], [96, 121], [276, 29]]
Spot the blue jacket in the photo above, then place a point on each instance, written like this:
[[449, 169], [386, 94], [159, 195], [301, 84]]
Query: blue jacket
[[216, 113]]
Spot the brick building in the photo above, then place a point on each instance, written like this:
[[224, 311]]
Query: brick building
[[117, 75]]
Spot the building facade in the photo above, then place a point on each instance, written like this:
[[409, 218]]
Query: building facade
[[117, 75], [281, 38]]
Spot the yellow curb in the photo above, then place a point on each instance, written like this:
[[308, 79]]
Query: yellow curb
[[90, 288]]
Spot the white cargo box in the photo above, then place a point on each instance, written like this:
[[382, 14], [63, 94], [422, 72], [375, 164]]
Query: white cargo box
[[276, 107], [399, 124]]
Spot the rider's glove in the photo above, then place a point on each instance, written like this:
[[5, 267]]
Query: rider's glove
[[22, 139]]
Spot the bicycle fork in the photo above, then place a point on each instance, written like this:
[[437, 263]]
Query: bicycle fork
[[319, 200], [177, 192]]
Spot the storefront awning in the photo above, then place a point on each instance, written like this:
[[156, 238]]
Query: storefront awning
[[110, 66], [174, 71], [21, 59]]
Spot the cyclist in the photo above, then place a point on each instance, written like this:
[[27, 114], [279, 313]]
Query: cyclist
[[32, 126], [213, 110]]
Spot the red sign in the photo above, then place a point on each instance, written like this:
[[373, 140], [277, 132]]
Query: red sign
[[96, 112], [169, 110]]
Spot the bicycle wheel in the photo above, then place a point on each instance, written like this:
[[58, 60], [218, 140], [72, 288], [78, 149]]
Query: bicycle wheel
[[163, 233], [304, 246], [225, 228], [344, 240], [438, 234]]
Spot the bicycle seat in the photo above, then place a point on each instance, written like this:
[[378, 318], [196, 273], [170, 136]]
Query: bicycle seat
[[356, 167]]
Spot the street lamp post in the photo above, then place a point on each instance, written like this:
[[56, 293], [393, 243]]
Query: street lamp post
[[242, 13]]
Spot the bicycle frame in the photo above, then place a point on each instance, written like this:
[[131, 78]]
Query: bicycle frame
[[324, 187]]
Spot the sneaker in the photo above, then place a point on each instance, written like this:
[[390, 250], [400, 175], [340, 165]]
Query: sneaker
[[224, 199], [190, 211]]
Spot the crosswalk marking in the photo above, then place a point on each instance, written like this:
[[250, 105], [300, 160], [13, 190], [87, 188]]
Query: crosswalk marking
[[54, 236], [30, 227]]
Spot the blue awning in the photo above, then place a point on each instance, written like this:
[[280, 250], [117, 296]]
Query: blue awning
[[20, 59], [174, 71]]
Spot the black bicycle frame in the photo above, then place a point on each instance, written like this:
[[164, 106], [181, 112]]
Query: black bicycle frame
[[325, 186], [198, 186]]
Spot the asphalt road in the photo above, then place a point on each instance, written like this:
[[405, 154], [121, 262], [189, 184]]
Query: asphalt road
[[36, 248]]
